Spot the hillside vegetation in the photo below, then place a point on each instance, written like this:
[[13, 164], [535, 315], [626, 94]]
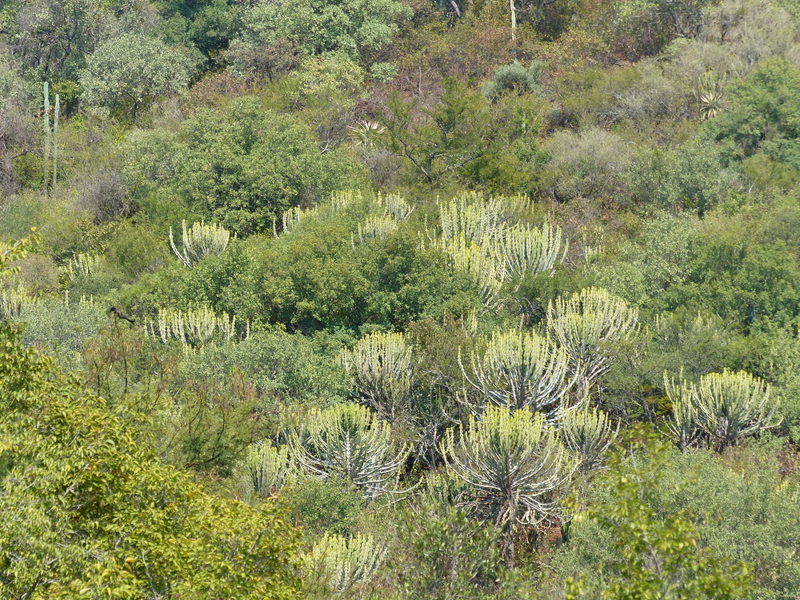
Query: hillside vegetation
[[400, 299]]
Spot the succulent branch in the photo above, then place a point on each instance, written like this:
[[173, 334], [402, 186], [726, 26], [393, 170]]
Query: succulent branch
[[588, 433], [348, 440], [584, 323], [200, 241], [263, 470], [343, 565], [723, 408], [520, 369], [515, 463], [382, 366]]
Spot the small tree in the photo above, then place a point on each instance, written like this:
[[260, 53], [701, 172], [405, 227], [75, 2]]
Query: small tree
[[587, 432], [519, 369], [723, 408], [200, 241], [126, 74], [515, 463], [263, 470], [584, 323], [382, 366], [344, 565], [347, 440]]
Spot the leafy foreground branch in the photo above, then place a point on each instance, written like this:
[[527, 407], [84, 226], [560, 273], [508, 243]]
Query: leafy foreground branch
[[88, 513], [655, 556]]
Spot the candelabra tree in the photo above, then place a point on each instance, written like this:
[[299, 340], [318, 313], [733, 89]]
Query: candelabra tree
[[584, 324], [721, 409], [516, 465], [192, 327], [479, 241], [263, 470], [343, 566], [588, 433], [382, 367], [519, 369], [348, 440], [521, 249], [199, 241]]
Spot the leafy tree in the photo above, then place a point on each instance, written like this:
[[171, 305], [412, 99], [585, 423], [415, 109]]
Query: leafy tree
[[690, 176], [126, 74], [207, 24], [241, 166], [91, 512], [443, 553], [17, 137], [646, 26], [590, 164], [764, 114], [514, 78], [356, 28], [449, 136], [654, 554], [53, 39]]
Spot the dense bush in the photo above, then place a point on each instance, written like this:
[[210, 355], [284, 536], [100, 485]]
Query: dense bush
[[241, 166], [341, 239]]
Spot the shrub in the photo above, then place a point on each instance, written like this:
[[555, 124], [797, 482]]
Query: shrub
[[590, 164], [730, 509], [126, 74], [88, 509], [240, 167]]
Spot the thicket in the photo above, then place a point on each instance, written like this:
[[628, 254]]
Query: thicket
[[410, 299]]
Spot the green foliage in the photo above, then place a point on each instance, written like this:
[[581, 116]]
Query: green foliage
[[447, 555], [645, 26], [61, 327], [54, 40], [241, 166], [688, 177], [590, 164], [356, 28], [763, 115], [653, 553], [282, 367], [514, 78], [89, 512], [739, 507], [463, 136], [127, 74], [322, 505], [743, 277]]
